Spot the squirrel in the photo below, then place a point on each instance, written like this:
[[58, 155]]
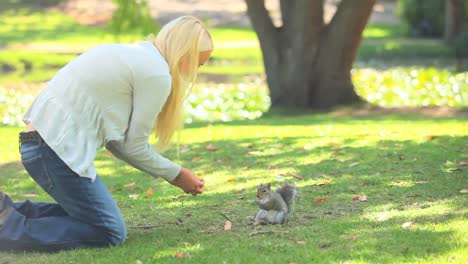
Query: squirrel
[[274, 206]]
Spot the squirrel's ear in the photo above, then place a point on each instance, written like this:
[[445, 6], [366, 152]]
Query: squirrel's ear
[[268, 185]]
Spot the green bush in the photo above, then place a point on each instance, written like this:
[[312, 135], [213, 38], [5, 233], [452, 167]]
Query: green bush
[[425, 18], [132, 16]]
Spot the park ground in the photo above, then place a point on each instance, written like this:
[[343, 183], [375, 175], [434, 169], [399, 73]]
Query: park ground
[[384, 182]]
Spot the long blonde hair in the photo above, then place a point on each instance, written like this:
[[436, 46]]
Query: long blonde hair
[[180, 42]]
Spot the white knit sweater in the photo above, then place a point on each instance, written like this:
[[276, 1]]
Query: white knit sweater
[[107, 97]]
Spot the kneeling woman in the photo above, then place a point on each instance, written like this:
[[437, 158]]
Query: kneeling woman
[[112, 96]]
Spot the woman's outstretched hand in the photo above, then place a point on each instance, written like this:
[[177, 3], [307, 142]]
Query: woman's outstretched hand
[[188, 182]]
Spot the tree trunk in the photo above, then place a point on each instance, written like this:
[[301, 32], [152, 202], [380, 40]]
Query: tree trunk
[[308, 63], [453, 18]]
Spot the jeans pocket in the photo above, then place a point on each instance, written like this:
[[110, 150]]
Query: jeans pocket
[[35, 165]]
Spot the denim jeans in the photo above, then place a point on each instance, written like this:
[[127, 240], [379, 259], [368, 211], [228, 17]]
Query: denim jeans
[[85, 214]]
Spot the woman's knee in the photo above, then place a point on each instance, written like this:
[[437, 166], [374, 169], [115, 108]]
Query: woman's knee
[[117, 234]]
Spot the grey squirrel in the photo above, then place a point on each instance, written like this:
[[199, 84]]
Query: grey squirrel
[[274, 206]]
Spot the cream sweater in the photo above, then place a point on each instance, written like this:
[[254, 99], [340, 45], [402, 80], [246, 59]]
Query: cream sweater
[[107, 97]]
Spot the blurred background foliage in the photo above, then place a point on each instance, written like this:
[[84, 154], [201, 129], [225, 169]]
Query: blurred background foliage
[[398, 65]]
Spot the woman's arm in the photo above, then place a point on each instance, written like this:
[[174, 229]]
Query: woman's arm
[[149, 96]]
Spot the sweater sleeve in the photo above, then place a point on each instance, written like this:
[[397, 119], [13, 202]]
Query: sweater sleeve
[[149, 96]]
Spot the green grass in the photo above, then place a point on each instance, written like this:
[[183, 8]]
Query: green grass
[[406, 165]]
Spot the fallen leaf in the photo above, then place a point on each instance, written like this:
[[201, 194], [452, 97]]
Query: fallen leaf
[[360, 198], [185, 149], [464, 191], [130, 184], [211, 147], [351, 237], [133, 196], [197, 158], [463, 163], [179, 255], [321, 199], [300, 242], [30, 195], [109, 154], [325, 182], [279, 176], [182, 196], [431, 137], [227, 225], [299, 177], [149, 191], [231, 180], [239, 191], [382, 217], [250, 145], [336, 153], [406, 225]]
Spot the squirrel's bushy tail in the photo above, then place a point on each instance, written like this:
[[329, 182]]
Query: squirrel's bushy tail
[[289, 193]]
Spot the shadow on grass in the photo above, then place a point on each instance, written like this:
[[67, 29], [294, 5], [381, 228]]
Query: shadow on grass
[[348, 115]]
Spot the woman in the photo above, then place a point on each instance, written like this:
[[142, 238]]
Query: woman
[[112, 96]]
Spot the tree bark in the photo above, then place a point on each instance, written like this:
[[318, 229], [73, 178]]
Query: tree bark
[[308, 63], [453, 18]]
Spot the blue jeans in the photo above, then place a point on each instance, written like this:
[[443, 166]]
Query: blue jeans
[[85, 214]]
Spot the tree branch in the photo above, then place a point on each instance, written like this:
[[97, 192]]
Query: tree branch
[[261, 21], [349, 21]]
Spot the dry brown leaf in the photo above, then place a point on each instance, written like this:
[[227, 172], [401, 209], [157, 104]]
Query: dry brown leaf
[[227, 225], [179, 255], [250, 145], [325, 182], [351, 237], [130, 184], [149, 191], [336, 153], [356, 198], [211, 147], [363, 198], [231, 180], [463, 163], [321, 199], [464, 191], [197, 158], [295, 175], [300, 242], [431, 137]]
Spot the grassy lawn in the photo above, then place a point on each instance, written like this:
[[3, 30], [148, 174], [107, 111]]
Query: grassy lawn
[[408, 166]]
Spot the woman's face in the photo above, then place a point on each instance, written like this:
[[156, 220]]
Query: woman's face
[[204, 56]]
